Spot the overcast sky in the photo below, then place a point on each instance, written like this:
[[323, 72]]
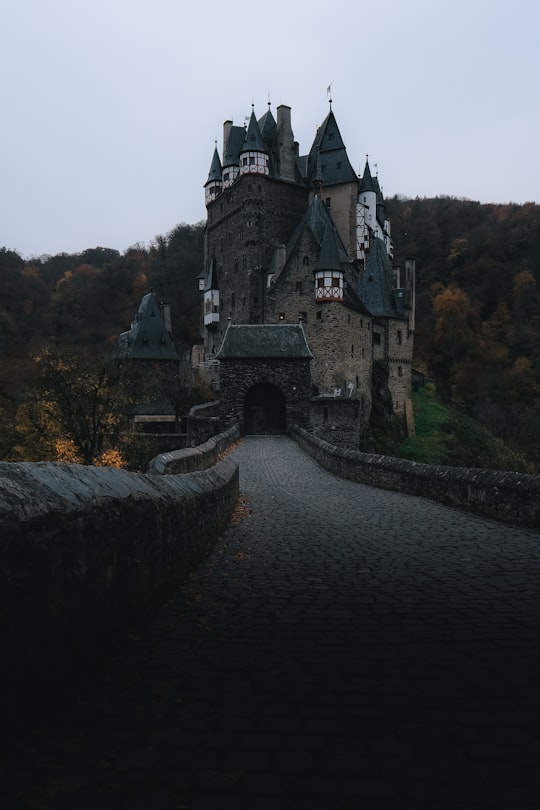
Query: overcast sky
[[110, 108]]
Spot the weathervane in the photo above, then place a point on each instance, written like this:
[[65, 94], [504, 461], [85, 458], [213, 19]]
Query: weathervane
[[329, 93]]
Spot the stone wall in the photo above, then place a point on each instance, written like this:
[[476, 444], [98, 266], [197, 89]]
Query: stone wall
[[86, 551], [506, 496], [194, 458]]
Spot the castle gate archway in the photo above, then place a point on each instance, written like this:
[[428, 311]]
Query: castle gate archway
[[265, 410]]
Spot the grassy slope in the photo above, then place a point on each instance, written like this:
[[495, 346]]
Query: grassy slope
[[446, 434]]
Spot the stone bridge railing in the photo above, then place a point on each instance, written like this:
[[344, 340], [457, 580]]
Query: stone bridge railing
[[507, 496], [84, 551]]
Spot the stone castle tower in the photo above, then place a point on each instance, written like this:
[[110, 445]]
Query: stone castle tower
[[301, 242]]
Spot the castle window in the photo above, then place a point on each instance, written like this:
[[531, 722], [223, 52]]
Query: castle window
[[229, 239], [400, 371], [250, 187], [348, 318], [319, 314], [302, 316], [233, 300], [352, 350], [357, 380], [226, 176], [236, 265], [251, 160], [299, 287], [376, 339], [328, 200], [244, 260], [399, 337], [325, 414], [305, 260]]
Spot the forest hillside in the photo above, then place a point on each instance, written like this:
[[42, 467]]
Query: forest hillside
[[477, 325], [478, 307]]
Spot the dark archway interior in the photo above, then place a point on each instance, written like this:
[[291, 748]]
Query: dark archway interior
[[265, 410]]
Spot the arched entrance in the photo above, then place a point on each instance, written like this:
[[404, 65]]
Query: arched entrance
[[265, 410]]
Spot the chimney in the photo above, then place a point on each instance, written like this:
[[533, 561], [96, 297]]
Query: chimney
[[286, 145], [166, 312], [227, 126]]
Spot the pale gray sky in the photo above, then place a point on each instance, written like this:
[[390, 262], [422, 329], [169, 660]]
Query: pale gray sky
[[110, 108]]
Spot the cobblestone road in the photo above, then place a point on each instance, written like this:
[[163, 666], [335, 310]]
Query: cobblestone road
[[343, 647]]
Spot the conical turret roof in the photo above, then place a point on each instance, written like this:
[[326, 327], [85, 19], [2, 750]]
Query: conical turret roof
[[215, 168], [329, 256], [335, 166], [367, 184], [253, 141], [376, 289]]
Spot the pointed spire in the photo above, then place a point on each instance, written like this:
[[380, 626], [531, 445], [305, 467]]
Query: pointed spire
[[329, 256], [253, 141], [334, 158], [367, 183], [214, 175]]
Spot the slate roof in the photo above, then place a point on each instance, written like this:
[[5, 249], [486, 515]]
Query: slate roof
[[319, 221], [212, 277], [268, 127], [376, 289], [253, 141], [148, 338], [264, 341], [334, 166], [215, 168], [237, 136]]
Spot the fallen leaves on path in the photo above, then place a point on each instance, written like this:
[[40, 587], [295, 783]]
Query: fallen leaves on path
[[241, 511]]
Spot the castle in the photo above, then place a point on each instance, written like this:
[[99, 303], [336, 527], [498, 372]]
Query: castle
[[301, 302]]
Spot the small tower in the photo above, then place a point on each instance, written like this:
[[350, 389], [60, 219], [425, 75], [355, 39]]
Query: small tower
[[214, 184], [253, 157], [371, 219], [328, 271]]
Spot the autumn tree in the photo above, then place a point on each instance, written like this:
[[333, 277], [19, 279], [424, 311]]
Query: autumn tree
[[76, 401], [456, 322]]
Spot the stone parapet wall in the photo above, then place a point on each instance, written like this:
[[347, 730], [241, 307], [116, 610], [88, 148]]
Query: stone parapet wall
[[194, 459], [85, 551], [506, 496]]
